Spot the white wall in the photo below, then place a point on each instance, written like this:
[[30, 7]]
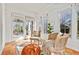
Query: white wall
[[74, 41], [0, 26]]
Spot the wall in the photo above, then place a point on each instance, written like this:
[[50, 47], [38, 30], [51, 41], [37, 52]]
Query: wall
[[74, 41], [0, 26]]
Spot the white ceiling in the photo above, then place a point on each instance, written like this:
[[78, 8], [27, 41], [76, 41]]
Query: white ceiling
[[28, 6], [38, 7]]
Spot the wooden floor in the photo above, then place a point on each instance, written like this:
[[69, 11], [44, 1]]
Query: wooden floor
[[11, 47], [71, 51]]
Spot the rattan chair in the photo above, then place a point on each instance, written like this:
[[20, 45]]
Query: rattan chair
[[36, 34], [60, 44], [52, 36]]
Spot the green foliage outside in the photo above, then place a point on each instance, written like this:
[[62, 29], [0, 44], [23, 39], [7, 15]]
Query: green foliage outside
[[49, 28]]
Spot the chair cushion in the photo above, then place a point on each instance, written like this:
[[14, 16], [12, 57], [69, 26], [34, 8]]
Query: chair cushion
[[31, 49]]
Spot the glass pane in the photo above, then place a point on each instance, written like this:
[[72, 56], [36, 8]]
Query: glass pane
[[65, 21], [28, 26], [78, 25]]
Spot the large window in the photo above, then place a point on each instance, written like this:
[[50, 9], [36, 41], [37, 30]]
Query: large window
[[21, 25], [44, 24], [65, 21]]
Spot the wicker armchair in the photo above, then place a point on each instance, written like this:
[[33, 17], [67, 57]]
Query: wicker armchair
[[60, 44], [36, 34], [52, 36]]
